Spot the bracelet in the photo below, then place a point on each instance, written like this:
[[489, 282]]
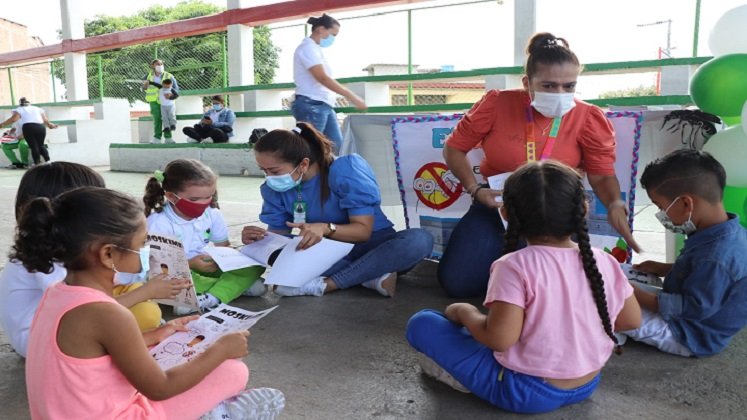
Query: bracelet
[[474, 193], [616, 203], [470, 187]]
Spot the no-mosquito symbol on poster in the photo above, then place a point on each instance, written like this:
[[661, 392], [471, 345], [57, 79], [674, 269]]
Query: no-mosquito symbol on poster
[[436, 186]]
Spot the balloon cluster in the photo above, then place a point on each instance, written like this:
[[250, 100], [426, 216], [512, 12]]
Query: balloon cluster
[[719, 87]]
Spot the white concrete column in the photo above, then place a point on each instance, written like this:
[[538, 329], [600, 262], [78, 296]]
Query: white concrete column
[[675, 80], [373, 94], [240, 48], [525, 25], [502, 81], [76, 80]]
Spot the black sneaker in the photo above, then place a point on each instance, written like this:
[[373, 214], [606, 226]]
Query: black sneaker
[[173, 127], [166, 130]]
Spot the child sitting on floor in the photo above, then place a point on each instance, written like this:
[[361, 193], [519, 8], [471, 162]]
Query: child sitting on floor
[[552, 306], [703, 303]]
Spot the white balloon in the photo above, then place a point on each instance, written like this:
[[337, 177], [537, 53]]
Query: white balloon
[[729, 34], [744, 117], [730, 148]]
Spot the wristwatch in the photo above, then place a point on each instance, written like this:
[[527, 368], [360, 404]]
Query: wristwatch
[[332, 228]]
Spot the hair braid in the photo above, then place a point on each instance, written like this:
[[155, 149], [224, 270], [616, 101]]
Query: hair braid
[[590, 267], [511, 241]]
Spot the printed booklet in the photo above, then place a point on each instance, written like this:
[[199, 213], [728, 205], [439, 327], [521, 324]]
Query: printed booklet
[[201, 333], [167, 256], [291, 267]]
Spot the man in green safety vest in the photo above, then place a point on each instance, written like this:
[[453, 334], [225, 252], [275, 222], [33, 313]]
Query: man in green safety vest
[[151, 85]]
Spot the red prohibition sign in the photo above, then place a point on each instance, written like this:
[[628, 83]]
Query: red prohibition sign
[[431, 189]]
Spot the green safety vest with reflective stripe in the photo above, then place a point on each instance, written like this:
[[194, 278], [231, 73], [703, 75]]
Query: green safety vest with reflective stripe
[[151, 94]]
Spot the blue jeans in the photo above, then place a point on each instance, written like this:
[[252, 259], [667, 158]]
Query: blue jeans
[[475, 242], [320, 115], [387, 251], [472, 364]]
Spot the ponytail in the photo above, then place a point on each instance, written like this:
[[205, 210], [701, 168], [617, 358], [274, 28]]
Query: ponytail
[[36, 245], [154, 198], [321, 153]]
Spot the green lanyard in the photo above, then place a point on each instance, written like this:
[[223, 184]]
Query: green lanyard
[[299, 207]]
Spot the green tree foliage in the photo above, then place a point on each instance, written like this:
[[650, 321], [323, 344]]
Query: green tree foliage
[[630, 92], [197, 62]]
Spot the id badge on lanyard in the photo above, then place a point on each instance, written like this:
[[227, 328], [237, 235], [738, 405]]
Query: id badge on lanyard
[[532, 141], [299, 208]]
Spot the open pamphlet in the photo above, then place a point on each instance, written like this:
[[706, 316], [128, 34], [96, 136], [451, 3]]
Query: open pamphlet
[[167, 256], [203, 332], [292, 267]]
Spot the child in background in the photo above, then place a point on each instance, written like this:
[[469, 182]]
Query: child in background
[[167, 95], [87, 358], [181, 202], [703, 303], [12, 140], [21, 290], [552, 306]]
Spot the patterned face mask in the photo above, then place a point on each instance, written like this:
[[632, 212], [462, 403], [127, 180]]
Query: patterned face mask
[[686, 228]]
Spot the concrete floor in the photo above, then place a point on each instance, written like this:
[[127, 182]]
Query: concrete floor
[[344, 356]]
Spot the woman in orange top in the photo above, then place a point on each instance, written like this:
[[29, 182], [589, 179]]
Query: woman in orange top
[[541, 121]]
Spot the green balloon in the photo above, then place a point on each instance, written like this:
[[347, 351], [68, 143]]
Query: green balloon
[[735, 201], [730, 121], [719, 86]]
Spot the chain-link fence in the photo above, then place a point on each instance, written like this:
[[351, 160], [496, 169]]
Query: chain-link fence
[[33, 81]]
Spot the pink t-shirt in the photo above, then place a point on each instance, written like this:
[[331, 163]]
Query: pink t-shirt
[[562, 336], [64, 387]]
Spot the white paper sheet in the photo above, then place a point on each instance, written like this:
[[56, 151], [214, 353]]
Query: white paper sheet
[[294, 268], [261, 250], [201, 333], [229, 259], [496, 182]]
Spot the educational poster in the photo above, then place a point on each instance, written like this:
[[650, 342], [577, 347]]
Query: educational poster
[[432, 196], [167, 256], [434, 199], [183, 346]]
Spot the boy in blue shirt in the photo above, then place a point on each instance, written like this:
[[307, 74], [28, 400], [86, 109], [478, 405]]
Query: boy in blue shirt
[[703, 303]]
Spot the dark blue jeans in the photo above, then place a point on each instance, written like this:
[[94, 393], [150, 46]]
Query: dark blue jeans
[[388, 251], [320, 115], [475, 242], [471, 363]]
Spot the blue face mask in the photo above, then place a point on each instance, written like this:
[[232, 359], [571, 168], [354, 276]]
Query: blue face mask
[[327, 42], [282, 183], [217, 107], [123, 278]]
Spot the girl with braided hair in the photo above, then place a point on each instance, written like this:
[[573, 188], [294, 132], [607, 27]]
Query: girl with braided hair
[[553, 306]]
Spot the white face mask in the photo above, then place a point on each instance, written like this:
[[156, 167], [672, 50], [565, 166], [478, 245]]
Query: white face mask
[[159, 69], [553, 105]]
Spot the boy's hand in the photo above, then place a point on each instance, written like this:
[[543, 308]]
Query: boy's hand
[[452, 311], [654, 267], [203, 263]]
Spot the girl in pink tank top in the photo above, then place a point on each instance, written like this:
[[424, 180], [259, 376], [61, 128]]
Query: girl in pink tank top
[[86, 356]]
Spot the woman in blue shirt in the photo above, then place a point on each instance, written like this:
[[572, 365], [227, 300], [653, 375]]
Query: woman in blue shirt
[[308, 188]]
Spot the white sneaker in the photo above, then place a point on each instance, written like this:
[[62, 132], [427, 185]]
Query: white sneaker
[[257, 289], [386, 284], [169, 141], [207, 140], [155, 140], [206, 301], [311, 288], [191, 140], [252, 404], [432, 369]]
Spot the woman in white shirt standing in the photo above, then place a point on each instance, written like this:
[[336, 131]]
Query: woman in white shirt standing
[[33, 124], [316, 90]]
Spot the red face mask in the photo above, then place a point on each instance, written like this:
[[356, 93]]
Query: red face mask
[[190, 208]]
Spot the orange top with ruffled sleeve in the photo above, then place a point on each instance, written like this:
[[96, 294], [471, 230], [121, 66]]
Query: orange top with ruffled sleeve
[[497, 123]]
